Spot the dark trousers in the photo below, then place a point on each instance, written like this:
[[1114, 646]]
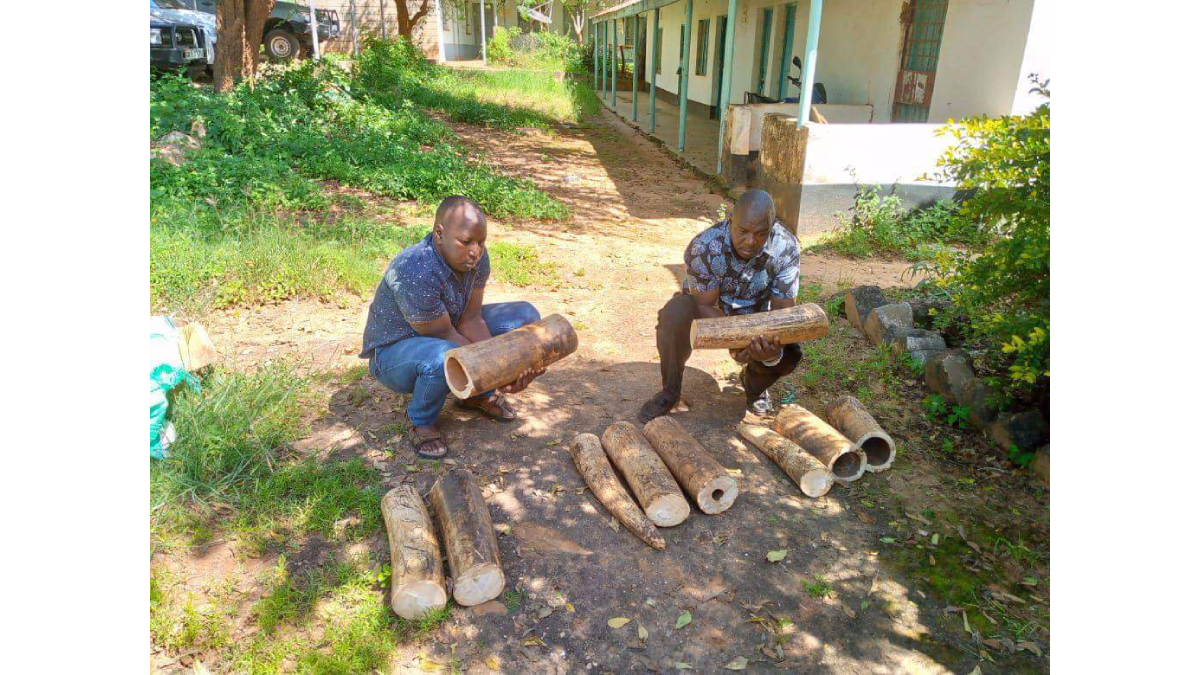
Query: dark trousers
[[675, 346]]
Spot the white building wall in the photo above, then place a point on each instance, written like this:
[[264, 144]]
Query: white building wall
[[1036, 61], [979, 68]]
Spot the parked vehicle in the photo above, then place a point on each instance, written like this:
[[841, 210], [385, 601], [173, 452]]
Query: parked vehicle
[[287, 34], [176, 14], [176, 46]]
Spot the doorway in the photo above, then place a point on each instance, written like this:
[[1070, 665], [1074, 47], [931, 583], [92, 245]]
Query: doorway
[[764, 48], [923, 21]]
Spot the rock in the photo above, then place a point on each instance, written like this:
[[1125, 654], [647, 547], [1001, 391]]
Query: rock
[[889, 324], [171, 154], [922, 356], [859, 301], [919, 339], [979, 397], [1026, 430], [180, 139], [948, 373], [925, 309]]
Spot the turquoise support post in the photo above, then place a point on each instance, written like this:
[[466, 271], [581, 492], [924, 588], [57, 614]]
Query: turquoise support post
[[653, 70], [726, 78], [604, 61], [810, 62], [683, 80], [595, 59], [615, 53], [637, 58]]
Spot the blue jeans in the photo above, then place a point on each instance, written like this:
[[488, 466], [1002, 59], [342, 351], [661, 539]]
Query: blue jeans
[[417, 365]]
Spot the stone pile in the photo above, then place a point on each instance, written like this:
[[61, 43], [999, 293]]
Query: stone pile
[[906, 327]]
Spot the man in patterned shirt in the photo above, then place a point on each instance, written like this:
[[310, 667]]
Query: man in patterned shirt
[[429, 302], [745, 264]]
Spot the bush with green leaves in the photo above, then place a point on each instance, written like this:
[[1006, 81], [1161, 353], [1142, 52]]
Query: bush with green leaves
[[882, 225], [1003, 292]]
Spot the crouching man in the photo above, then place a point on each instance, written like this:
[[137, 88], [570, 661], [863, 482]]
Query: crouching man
[[742, 265], [429, 302]]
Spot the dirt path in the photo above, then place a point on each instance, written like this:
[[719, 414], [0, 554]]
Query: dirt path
[[618, 260]]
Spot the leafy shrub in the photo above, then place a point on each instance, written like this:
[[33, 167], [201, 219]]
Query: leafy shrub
[[880, 224], [499, 48], [1003, 293]]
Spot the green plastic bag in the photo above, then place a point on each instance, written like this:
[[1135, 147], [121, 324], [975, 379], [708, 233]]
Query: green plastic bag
[[166, 372]]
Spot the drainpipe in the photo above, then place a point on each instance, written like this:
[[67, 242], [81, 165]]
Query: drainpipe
[[382, 20], [353, 29], [595, 57], [683, 76], [637, 58], [726, 78], [604, 59], [810, 62], [653, 70]]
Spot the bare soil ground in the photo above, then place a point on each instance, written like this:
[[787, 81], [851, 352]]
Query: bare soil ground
[[873, 571]]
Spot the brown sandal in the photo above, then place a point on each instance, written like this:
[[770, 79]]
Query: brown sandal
[[493, 406], [430, 445]]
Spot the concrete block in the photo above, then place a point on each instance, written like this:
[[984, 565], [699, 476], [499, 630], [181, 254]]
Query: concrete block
[[859, 302], [948, 374], [889, 324], [978, 396], [1026, 430], [921, 340]]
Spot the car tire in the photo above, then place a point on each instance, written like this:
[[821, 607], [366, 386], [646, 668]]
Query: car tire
[[281, 45]]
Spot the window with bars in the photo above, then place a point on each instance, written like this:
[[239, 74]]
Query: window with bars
[[702, 47]]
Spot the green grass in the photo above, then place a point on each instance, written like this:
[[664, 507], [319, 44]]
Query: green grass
[[201, 261], [818, 588], [229, 459], [246, 220]]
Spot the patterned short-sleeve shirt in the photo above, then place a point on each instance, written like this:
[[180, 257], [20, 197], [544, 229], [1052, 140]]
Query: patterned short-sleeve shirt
[[746, 286], [418, 286]]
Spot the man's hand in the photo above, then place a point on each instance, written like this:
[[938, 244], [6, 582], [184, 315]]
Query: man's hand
[[522, 381], [760, 348]]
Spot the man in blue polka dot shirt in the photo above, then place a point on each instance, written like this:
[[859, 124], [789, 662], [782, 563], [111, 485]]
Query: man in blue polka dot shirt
[[744, 264], [429, 302]]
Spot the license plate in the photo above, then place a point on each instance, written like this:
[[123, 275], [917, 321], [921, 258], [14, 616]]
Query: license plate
[[192, 54]]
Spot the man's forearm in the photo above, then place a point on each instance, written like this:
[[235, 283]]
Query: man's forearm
[[474, 330]]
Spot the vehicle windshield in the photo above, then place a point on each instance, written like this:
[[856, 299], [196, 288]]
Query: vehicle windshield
[[170, 4]]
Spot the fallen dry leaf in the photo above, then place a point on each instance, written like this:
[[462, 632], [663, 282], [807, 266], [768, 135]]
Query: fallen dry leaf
[[776, 556], [683, 620], [642, 632], [618, 622], [492, 662], [737, 664]]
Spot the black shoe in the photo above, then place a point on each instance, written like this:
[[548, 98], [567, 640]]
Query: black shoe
[[761, 406], [658, 406]]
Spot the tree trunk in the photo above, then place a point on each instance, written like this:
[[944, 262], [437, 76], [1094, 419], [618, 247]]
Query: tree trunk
[[701, 476], [598, 474], [475, 368], [257, 12], [838, 453], [470, 540], [805, 471], [794, 324], [418, 584], [405, 21], [648, 478], [852, 419], [231, 34]]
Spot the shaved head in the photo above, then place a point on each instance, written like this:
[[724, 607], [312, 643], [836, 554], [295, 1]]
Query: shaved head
[[459, 232], [750, 224], [457, 211], [755, 206]]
